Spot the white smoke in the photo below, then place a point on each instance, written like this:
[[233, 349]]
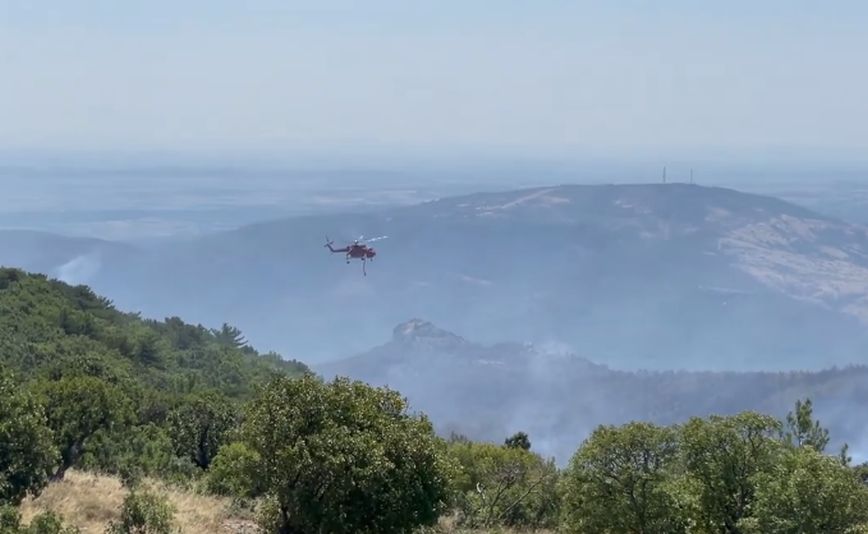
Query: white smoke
[[79, 270]]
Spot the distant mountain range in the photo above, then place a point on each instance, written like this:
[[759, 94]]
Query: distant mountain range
[[490, 392], [659, 276]]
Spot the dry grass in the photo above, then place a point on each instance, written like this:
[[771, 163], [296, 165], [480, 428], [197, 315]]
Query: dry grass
[[85, 500], [91, 502]]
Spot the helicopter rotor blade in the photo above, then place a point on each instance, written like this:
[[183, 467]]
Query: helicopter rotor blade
[[377, 238]]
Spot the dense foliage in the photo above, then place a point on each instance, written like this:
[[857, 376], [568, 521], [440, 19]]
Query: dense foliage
[[199, 426], [26, 449], [78, 407], [49, 329], [344, 457], [619, 481], [740, 474], [116, 392]]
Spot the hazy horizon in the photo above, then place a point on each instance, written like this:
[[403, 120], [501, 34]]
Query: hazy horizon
[[660, 79], [528, 220]]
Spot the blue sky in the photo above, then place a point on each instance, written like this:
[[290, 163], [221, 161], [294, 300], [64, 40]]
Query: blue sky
[[544, 77]]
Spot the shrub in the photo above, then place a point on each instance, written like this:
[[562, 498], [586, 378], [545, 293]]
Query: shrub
[[144, 512]]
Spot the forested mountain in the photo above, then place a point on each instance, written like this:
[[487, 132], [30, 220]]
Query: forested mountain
[[644, 276], [488, 391]]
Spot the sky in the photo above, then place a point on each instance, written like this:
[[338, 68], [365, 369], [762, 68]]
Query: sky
[[544, 78]]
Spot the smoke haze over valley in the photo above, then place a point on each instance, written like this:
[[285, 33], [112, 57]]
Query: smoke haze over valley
[[585, 304], [673, 276]]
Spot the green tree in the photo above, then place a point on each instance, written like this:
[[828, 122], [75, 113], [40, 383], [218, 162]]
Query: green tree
[[723, 455], [27, 449], [344, 457], [503, 486], [519, 440], [802, 430], [619, 482], [199, 426], [807, 492], [78, 407], [229, 336]]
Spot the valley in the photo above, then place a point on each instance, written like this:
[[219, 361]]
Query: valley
[[558, 398]]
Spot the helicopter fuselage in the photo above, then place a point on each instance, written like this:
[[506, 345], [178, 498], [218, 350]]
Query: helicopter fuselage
[[361, 252], [356, 251]]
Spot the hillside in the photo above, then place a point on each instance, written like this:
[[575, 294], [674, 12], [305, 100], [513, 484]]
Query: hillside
[[486, 392], [49, 328], [645, 276]]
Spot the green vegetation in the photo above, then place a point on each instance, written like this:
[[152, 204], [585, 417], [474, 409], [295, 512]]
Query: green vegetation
[[738, 474], [344, 457], [45, 523], [507, 485], [26, 450], [144, 512], [621, 481], [84, 387], [117, 393], [79, 407], [199, 426]]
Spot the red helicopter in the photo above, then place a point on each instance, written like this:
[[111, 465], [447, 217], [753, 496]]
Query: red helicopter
[[358, 250]]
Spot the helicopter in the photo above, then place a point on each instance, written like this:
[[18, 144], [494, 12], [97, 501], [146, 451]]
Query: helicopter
[[359, 249]]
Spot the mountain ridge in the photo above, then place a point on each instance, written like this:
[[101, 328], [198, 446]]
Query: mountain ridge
[[645, 275]]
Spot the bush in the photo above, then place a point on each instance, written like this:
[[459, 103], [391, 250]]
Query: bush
[[345, 457], [508, 486], [233, 472], [44, 523], [144, 512], [10, 519], [48, 523], [135, 453]]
